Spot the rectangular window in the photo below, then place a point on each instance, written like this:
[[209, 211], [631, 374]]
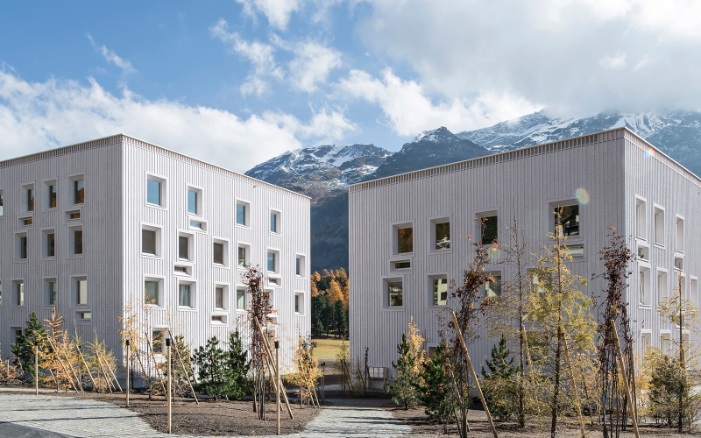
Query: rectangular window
[[73, 215], [185, 246], [568, 218], [243, 257], [400, 264], [154, 191], [679, 240], [442, 235], [193, 201], [51, 292], [492, 289], [29, 198], [274, 221], [394, 293], [299, 303], [404, 236], [2, 204], [659, 226], [84, 316], [158, 341], [220, 297], [0, 293], [240, 299], [273, 261], [640, 218], [80, 286], [489, 229], [149, 240], [19, 293], [300, 262], [78, 190], [242, 213], [219, 253], [152, 292], [439, 293], [49, 243], [185, 295], [644, 286], [22, 247], [51, 196], [77, 241], [662, 287]]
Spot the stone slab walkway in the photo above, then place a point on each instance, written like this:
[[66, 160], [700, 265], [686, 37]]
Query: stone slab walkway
[[82, 417]]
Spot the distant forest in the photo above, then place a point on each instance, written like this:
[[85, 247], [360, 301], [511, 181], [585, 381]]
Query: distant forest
[[330, 291]]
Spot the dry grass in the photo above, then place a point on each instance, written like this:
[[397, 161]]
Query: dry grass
[[327, 349]]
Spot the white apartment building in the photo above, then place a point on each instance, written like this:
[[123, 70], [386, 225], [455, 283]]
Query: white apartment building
[[409, 233], [117, 227]]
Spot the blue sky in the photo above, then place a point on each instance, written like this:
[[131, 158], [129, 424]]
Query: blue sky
[[237, 82]]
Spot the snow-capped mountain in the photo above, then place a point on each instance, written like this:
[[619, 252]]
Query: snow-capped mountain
[[324, 172], [678, 134]]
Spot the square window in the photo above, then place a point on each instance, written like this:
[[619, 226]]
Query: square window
[[220, 297], [242, 213], [49, 243], [567, 217], [51, 195], [19, 293], [404, 239], [80, 291], [194, 200], [185, 294], [22, 247], [76, 246], [150, 240], [489, 229], [51, 292], [152, 291], [273, 261], [492, 289], [243, 256], [300, 263], [154, 191], [185, 246], [274, 221], [440, 230], [78, 190], [299, 303], [240, 299], [439, 290], [393, 290], [220, 252]]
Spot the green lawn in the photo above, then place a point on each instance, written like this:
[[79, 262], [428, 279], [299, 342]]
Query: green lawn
[[327, 349]]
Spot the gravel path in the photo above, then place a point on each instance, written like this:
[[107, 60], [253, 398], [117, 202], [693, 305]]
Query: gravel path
[[30, 414]]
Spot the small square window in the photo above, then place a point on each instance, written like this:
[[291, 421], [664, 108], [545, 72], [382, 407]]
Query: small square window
[[51, 292], [78, 190], [568, 218], [439, 290], [300, 263], [80, 291], [492, 289], [243, 256], [394, 293], [22, 246], [150, 240], [273, 261], [194, 201], [152, 292], [220, 252], [154, 191], [274, 221], [242, 213], [51, 195], [404, 239], [185, 246], [185, 295], [240, 299], [19, 293]]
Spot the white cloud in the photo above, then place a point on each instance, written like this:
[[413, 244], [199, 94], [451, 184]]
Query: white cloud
[[261, 55], [278, 12], [570, 55], [312, 65], [112, 58], [409, 110], [39, 116]]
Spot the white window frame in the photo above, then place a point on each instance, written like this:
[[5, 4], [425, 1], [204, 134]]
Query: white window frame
[[74, 189], [225, 251], [247, 213], [658, 225], [21, 245], [277, 214], [247, 261], [640, 218], [245, 298], [395, 238], [276, 261], [190, 246], [479, 224], [298, 303], [162, 190], [72, 241], [225, 297], [157, 240], [193, 295], [438, 304], [75, 291], [47, 291], [160, 293], [300, 265], [387, 302], [45, 242], [199, 202], [447, 246], [644, 280], [663, 290], [26, 190], [19, 293], [679, 234], [47, 194]]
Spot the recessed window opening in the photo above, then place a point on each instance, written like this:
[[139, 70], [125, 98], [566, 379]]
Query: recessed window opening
[[394, 293], [640, 218], [78, 190], [404, 239], [489, 229], [659, 226], [568, 218], [439, 291]]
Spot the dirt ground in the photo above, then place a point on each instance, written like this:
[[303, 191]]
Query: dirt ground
[[479, 426]]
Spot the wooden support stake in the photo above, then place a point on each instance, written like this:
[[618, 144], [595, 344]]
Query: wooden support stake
[[187, 373], [474, 375], [82, 358], [114, 376], [170, 388], [622, 366], [53, 347], [277, 383], [128, 347], [530, 366], [36, 370], [574, 384], [155, 365], [101, 368], [269, 356]]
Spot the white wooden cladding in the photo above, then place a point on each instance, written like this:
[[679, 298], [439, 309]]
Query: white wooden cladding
[[611, 167], [116, 171]]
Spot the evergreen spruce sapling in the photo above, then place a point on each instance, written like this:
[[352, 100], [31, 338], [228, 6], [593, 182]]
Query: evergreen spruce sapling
[[237, 365], [404, 391], [499, 383], [435, 392], [23, 349], [210, 361]]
